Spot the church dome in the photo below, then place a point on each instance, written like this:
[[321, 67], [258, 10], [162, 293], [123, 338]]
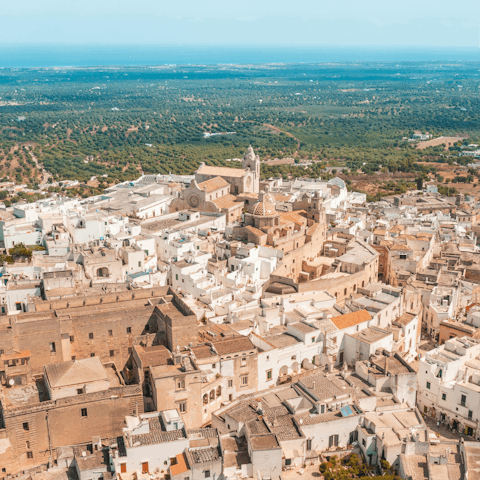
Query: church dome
[[263, 209], [269, 198]]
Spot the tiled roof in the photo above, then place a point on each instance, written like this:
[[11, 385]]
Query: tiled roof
[[400, 247], [415, 466], [213, 184], [404, 319], [158, 436], [202, 351], [263, 209], [295, 217], [153, 356], [75, 372], [351, 319], [255, 231], [233, 345], [181, 465], [227, 201], [221, 171], [204, 455], [204, 432]]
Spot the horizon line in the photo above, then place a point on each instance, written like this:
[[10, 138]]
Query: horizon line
[[239, 45]]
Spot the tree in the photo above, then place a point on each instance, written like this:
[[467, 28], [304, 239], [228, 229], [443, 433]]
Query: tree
[[20, 251]]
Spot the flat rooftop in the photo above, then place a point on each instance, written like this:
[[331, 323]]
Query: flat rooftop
[[264, 442]]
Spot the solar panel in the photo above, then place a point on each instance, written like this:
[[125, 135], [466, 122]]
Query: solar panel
[[346, 411]]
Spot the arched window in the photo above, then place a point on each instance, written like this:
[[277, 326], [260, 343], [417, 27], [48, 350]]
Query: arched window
[[102, 272], [205, 399], [219, 391]]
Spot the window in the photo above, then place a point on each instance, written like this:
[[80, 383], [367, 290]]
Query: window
[[53, 349], [463, 401], [230, 383], [30, 455], [18, 306], [214, 365], [112, 353], [140, 263], [444, 396], [73, 358], [84, 412], [313, 339], [207, 473], [72, 338], [425, 409], [182, 407], [269, 374], [90, 336], [79, 391], [470, 414], [27, 444], [92, 354], [288, 462], [244, 380], [181, 384], [428, 385], [364, 443], [26, 427], [129, 329], [243, 362], [176, 277], [110, 333]]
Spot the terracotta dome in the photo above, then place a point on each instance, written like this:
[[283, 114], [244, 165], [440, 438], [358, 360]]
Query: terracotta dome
[[263, 209]]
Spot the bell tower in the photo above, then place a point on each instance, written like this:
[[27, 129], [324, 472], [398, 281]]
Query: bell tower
[[252, 162]]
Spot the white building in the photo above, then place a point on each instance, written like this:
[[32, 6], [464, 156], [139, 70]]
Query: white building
[[449, 385]]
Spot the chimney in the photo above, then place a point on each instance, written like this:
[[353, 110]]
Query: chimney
[[177, 358]]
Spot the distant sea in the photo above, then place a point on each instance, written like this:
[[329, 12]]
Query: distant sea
[[34, 56]]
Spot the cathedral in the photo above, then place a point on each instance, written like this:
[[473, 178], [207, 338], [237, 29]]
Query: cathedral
[[241, 180]]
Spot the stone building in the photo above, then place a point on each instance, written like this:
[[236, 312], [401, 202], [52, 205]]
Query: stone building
[[102, 265], [212, 195], [241, 180], [34, 424], [104, 325]]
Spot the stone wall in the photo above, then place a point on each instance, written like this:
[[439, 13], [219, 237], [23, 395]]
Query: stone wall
[[42, 427]]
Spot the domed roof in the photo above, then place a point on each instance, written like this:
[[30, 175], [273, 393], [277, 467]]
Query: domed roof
[[263, 209], [268, 197]]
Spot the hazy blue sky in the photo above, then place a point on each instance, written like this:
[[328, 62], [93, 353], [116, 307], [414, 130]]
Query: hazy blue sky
[[439, 23]]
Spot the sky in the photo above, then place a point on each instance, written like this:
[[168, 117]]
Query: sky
[[431, 23]]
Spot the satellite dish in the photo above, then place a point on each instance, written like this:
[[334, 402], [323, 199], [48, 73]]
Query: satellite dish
[[11, 382]]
